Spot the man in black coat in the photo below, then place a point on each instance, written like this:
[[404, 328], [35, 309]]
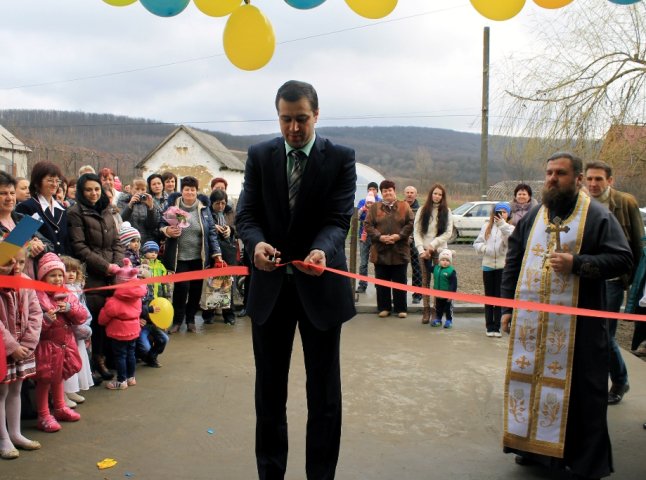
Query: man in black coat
[[296, 205], [603, 253]]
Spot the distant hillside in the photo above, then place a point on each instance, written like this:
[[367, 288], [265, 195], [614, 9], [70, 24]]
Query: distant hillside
[[408, 154]]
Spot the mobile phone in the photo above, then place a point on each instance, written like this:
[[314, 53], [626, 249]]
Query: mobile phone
[[498, 214]]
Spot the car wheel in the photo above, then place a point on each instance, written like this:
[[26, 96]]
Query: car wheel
[[454, 235]]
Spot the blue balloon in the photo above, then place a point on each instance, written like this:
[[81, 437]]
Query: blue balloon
[[304, 4], [165, 8], [624, 2]]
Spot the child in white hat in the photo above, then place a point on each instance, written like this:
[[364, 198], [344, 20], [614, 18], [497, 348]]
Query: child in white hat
[[445, 278]]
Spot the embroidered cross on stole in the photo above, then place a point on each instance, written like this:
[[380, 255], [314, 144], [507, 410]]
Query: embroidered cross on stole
[[541, 344]]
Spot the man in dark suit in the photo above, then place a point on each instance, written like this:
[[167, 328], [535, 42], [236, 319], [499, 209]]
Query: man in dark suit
[[296, 205]]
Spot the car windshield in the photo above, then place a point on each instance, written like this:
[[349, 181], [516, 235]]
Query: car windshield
[[462, 208]]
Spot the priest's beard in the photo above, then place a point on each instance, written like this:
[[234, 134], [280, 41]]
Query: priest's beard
[[556, 198]]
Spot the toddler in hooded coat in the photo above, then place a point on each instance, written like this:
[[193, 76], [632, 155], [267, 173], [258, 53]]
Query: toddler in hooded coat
[[120, 316], [57, 356]]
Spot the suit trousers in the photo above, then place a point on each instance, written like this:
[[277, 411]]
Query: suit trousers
[[272, 346]]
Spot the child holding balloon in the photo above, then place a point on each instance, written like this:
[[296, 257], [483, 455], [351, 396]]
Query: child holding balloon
[[152, 339], [120, 316]]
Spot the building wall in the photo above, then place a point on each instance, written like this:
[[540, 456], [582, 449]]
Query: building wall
[[19, 163], [183, 156]]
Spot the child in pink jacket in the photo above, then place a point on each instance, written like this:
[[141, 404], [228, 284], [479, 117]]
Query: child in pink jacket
[[120, 316], [57, 356]]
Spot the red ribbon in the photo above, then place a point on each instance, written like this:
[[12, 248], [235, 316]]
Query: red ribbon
[[15, 282]]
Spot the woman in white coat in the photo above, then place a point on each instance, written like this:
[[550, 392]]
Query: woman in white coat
[[492, 244]]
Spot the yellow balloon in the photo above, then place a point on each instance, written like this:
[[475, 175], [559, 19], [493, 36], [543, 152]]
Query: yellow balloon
[[248, 38], [552, 3], [119, 3], [498, 9], [372, 8], [164, 318], [217, 8]]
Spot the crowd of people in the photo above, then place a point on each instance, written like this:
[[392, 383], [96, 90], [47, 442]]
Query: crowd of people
[[586, 236], [96, 232]]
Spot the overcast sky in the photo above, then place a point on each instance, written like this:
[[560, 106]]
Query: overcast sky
[[421, 65]]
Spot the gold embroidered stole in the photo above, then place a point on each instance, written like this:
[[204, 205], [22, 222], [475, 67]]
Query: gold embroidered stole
[[541, 344]]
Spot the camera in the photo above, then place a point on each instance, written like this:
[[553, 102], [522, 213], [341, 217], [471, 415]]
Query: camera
[[143, 197]]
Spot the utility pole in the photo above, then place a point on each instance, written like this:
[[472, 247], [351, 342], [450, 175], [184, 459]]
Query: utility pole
[[484, 135]]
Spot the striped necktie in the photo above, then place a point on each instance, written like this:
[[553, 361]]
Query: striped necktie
[[295, 176]]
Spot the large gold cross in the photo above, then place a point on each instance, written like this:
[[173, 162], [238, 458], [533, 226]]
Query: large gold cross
[[556, 226]]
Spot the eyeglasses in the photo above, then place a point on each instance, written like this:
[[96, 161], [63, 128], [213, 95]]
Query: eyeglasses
[[53, 181]]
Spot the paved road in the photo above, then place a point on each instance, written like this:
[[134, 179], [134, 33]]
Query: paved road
[[419, 403]]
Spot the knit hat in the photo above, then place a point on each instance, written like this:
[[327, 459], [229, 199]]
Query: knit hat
[[150, 246], [448, 254], [117, 184], [370, 198], [127, 272], [126, 233], [48, 262], [502, 206]]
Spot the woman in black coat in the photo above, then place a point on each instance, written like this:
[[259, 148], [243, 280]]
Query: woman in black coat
[[94, 240]]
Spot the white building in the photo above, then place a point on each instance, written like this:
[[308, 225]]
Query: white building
[[13, 154], [187, 151]]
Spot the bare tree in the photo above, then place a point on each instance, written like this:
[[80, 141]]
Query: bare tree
[[590, 76]]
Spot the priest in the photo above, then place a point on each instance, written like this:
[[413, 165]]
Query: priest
[[555, 398]]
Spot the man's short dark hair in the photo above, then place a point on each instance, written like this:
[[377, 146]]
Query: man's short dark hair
[[293, 91], [601, 166], [386, 184], [189, 182], [576, 162], [372, 185]]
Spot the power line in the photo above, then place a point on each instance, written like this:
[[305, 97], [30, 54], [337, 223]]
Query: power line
[[209, 57]]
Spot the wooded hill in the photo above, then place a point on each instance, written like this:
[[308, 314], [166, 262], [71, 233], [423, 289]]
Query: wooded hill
[[414, 155]]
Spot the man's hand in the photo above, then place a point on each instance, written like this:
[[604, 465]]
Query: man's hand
[[505, 321], [316, 257], [561, 262], [265, 257]]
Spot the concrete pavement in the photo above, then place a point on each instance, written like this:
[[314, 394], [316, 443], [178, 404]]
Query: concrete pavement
[[419, 403]]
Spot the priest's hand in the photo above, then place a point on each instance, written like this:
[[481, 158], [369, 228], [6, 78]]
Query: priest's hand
[[505, 322], [561, 262]]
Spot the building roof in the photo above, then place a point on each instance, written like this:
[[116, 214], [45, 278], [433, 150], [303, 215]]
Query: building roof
[[624, 141], [9, 142], [209, 143]]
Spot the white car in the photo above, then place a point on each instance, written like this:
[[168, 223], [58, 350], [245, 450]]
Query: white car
[[469, 217]]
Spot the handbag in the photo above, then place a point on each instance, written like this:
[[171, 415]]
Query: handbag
[[216, 293]]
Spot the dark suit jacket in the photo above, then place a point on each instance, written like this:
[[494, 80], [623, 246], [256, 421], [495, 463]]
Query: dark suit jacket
[[54, 227], [321, 220]]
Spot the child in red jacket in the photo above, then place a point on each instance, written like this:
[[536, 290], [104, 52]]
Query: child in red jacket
[[120, 316], [57, 356]]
